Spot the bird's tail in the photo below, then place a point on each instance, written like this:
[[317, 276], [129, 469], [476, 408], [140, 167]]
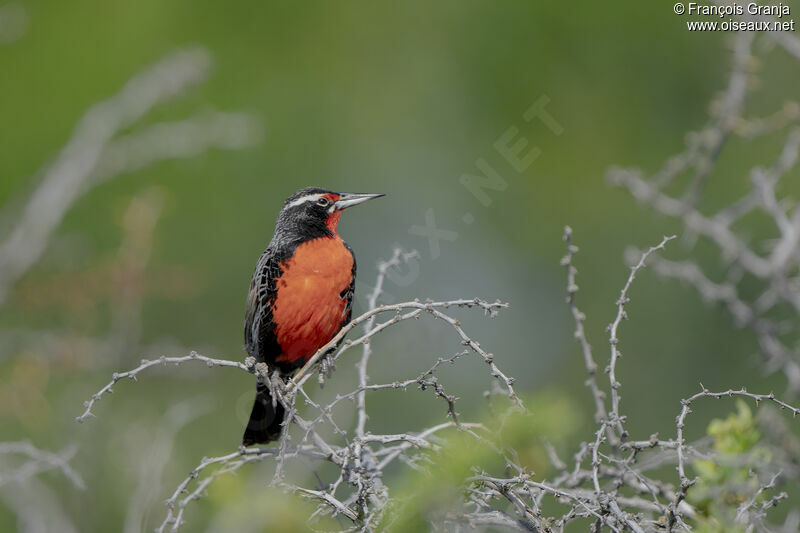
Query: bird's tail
[[265, 419]]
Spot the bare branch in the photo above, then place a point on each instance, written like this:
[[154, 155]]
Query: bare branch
[[613, 340], [38, 461], [92, 153], [580, 335]]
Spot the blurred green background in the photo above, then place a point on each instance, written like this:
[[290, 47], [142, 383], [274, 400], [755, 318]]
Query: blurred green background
[[398, 98]]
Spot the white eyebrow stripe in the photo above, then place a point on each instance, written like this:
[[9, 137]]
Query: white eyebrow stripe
[[304, 199]]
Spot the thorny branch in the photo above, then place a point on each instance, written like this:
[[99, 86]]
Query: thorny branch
[[398, 257], [613, 340], [363, 455], [615, 482], [580, 334], [615, 490], [97, 152], [104, 144], [773, 263], [36, 461]]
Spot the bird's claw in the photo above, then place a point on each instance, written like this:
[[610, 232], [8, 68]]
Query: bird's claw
[[326, 367]]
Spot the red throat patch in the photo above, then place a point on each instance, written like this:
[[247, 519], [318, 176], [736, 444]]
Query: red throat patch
[[332, 221], [333, 218]]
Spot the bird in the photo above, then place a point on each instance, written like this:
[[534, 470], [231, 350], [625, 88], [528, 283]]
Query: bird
[[300, 295]]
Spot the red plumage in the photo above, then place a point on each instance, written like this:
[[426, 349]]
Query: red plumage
[[309, 308]]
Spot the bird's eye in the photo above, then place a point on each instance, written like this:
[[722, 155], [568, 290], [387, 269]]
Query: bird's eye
[[323, 201]]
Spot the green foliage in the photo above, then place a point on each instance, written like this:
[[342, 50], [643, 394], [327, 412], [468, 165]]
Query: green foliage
[[737, 433], [727, 481], [435, 489], [254, 507]]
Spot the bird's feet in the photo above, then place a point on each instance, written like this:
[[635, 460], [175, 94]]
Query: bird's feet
[[326, 366]]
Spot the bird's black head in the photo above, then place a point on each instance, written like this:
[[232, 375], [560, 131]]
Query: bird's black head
[[314, 212]]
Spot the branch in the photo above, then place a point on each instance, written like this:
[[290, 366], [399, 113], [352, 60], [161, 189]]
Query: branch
[[40, 460], [161, 361], [91, 154], [613, 340], [580, 335]]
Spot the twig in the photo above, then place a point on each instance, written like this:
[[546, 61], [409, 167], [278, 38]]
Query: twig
[[613, 340], [40, 460]]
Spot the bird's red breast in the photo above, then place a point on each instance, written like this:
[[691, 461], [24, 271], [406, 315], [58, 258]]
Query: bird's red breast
[[309, 309]]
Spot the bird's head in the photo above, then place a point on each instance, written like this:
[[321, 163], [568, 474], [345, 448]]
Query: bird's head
[[313, 210]]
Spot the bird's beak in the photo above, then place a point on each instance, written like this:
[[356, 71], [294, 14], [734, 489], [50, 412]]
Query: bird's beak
[[347, 199]]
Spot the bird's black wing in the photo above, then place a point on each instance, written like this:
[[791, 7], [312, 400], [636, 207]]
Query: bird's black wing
[[260, 340], [348, 294]]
